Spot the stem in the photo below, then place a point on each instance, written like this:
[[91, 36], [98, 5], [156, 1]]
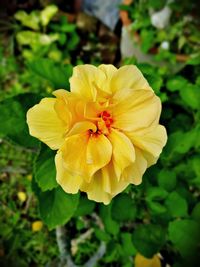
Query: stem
[[97, 256], [65, 258]]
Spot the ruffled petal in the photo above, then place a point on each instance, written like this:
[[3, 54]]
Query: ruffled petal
[[133, 174], [123, 151], [94, 191], [70, 183], [81, 127], [86, 81], [45, 124], [69, 107], [110, 181], [84, 154], [108, 70], [150, 140], [104, 185], [129, 77], [136, 111]]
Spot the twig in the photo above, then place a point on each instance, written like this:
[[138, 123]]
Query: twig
[[79, 240], [97, 256], [28, 202], [65, 258]]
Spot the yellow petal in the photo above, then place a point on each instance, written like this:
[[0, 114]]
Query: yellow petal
[[45, 124], [22, 196], [37, 226], [81, 127], [137, 111], [69, 106], [94, 191], [133, 174], [99, 152], [123, 151], [84, 154], [86, 80], [129, 77], [62, 107], [141, 261], [151, 140], [110, 180], [108, 70], [70, 183], [104, 185]]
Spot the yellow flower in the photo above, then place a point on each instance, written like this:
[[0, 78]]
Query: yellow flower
[[22, 196], [37, 226], [141, 261], [106, 130]]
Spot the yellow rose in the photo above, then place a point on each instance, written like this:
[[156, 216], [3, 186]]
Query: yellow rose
[[106, 130]]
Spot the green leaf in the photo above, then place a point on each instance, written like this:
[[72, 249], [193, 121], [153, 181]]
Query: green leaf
[[57, 74], [44, 169], [156, 194], [13, 119], [179, 142], [148, 39], [155, 82], [194, 162], [167, 179], [73, 41], [185, 235], [176, 83], [194, 60], [57, 207], [101, 235], [176, 205], [190, 95], [111, 226], [196, 213], [127, 244], [29, 20], [156, 207], [123, 208], [47, 14], [149, 239], [156, 4], [186, 142], [85, 207]]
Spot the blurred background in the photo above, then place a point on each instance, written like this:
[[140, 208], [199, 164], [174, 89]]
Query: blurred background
[[154, 224]]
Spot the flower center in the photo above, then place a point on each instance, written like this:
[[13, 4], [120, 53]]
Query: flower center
[[104, 123]]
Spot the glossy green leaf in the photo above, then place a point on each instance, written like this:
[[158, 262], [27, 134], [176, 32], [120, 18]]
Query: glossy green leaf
[[156, 193], [57, 74], [149, 239], [85, 206], [185, 235], [123, 208], [57, 207], [176, 205], [176, 83], [127, 244], [167, 179], [191, 96], [44, 169], [13, 119], [111, 226], [196, 213]]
